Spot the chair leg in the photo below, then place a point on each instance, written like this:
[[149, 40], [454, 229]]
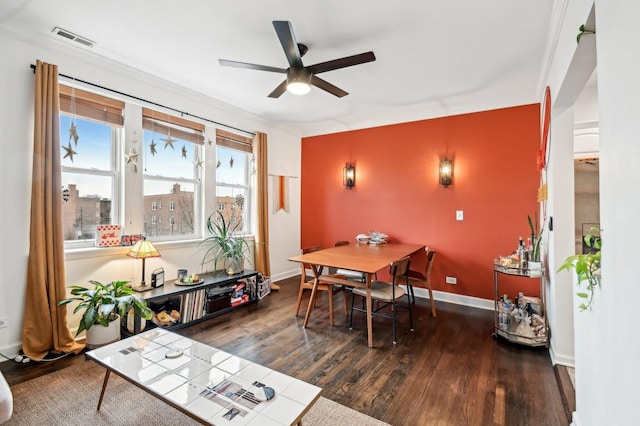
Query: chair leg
[[353, 300], [299, 299], [410, 314], [330, 296], [345, 296], [393, 318], [433, 302]]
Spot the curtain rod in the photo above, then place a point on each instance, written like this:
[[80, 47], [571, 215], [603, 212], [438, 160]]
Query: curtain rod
[[33, 67]]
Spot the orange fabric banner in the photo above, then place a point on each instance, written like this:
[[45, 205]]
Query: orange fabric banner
[[281, 194]]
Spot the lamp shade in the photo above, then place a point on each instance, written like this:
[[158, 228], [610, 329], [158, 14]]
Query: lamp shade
[[446, 172], [142, 250], [349, 176]]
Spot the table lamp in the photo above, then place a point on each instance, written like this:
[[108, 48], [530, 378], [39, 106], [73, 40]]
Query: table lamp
[[142, 250]]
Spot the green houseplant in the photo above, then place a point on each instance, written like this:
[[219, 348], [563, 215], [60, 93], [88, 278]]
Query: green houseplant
[[536, 238], [224, 244], [102, 304], [587, 267]]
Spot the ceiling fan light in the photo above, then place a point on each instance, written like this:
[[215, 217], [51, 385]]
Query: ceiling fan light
[[298, 87], [298, 81]]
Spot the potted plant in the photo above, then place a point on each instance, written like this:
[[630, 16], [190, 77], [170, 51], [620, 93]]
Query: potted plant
[[587, 266], [103, 305], [224, 244], [535, 266]]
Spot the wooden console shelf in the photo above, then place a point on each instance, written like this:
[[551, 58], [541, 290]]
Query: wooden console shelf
[[218, 294]]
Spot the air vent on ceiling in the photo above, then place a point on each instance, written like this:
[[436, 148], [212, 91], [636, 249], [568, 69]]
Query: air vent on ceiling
[[73, 37]]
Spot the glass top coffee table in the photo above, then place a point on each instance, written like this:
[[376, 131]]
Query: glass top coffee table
[[207, 384]]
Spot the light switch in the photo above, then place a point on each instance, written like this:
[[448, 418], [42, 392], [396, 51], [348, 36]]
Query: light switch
[[459, 215]]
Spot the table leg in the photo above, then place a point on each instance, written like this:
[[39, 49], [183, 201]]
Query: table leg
[[104, 386], [312, 299], [369, 308]]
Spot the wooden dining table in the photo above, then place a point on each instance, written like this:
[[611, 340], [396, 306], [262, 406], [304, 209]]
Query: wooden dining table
[[365, 258]]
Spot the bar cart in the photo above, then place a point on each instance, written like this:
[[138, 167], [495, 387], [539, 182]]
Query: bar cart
[[522, 320]]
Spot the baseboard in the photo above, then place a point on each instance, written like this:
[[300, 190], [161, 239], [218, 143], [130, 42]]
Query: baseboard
[[285, 275], [559, 359], [10, 351]]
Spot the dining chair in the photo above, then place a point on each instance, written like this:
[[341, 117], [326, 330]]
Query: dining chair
[[349, 274], [423, 279], [331, 289], [387, 293]]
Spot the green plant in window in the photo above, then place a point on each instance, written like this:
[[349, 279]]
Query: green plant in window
[[223, 243], [587, 267]]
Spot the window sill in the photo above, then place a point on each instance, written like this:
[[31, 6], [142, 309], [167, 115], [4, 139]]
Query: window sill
[[119, 251]]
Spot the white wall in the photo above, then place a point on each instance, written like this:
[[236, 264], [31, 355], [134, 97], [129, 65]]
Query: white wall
[[16, 140], [609, 381], [607, 346], [560, 207]]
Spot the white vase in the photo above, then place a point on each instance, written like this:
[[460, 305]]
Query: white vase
[[99, 335], [535, 269], [131, 315]]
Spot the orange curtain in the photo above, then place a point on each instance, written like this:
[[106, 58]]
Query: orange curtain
[[45, 327], [262, 232]]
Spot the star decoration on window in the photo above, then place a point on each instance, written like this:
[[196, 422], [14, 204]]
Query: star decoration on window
[[184, 152], [152, 147], [168, 141], [132, 158], [69, 152], [198, 164], [73, 133]]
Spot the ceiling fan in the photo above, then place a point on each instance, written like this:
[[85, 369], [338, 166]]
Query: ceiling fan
[[300, 78]]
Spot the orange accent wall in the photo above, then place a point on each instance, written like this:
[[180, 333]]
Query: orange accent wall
[[396, 191]]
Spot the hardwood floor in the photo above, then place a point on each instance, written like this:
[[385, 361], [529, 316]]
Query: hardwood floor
[[450, 371]]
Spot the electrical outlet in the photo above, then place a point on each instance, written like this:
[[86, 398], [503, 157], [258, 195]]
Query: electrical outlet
[[459, 215], [3, 322], [451, 280]]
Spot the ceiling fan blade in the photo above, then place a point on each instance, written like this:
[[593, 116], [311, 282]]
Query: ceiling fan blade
[[279, 90], [288, 42], [245, 65], [341, 63], [325, 85]]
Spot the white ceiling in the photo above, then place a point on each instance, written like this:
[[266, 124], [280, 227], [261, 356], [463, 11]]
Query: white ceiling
[[434, 57]]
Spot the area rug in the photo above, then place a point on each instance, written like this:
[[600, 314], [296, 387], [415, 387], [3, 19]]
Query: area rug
[[69, 397]]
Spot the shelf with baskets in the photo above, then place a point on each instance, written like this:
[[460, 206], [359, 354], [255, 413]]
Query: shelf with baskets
[[176, 306]]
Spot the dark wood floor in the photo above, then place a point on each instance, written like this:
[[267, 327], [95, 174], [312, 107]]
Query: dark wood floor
[[450, 371]]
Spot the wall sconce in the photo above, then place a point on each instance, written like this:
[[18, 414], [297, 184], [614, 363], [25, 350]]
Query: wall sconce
[[349, 176], [446, 169]]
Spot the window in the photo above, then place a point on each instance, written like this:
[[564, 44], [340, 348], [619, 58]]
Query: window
[[172, 168], [233, 176], [154, 219], [90, 137], [154, 205]]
